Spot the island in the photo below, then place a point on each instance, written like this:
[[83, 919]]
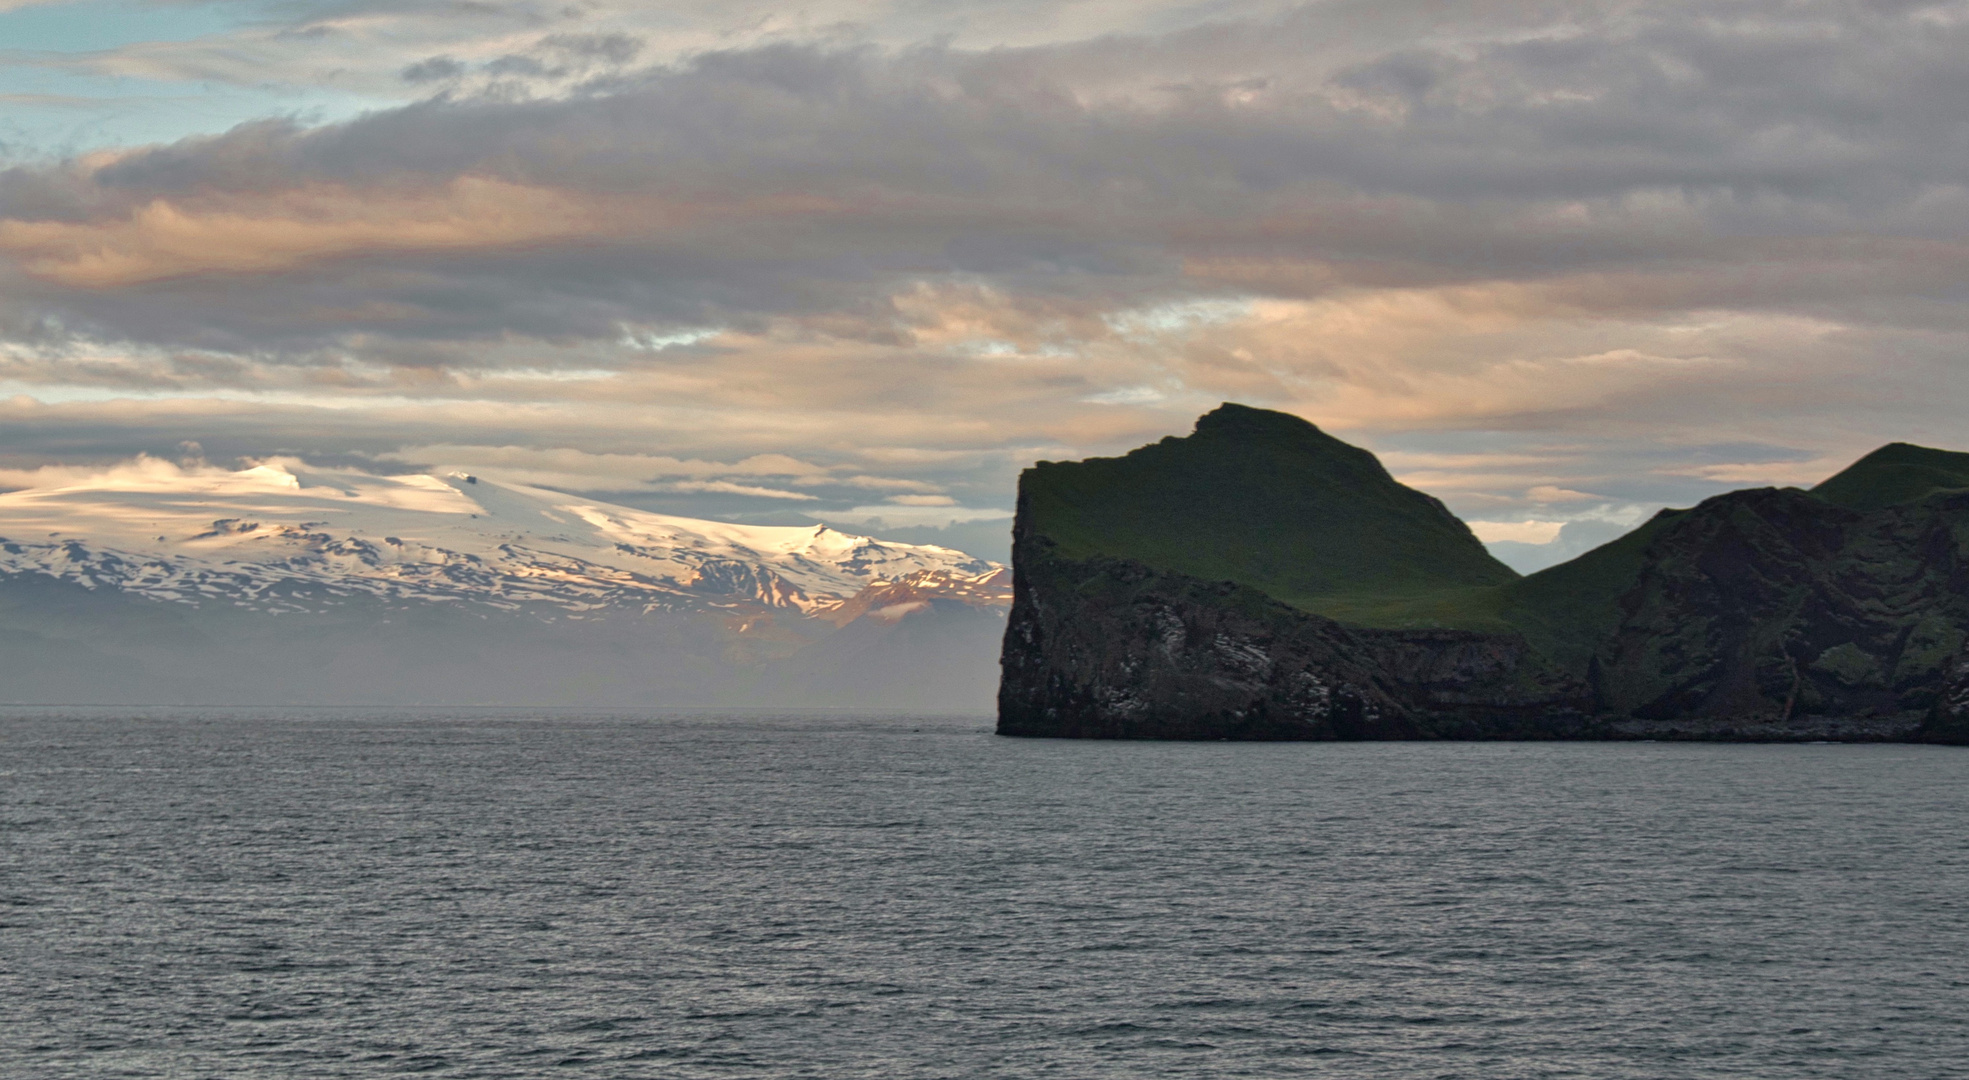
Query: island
[[1260, 579]]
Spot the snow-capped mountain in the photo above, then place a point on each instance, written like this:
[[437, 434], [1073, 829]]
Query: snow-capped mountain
[[285, 537], [286, 583]]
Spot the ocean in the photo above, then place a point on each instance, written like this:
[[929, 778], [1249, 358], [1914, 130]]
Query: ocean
[[319, 893]]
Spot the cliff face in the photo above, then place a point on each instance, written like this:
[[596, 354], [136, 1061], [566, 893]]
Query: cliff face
[[1112, 648], [1777, 613], [1770, 614]]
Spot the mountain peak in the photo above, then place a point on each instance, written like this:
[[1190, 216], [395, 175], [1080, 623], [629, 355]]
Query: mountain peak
[[1264, 499], [268, 536], [1233, 421], [1896, 473], [1233, 417]]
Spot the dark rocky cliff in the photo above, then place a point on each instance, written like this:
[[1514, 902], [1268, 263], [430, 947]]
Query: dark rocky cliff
[[1111, 648], [1769, 614], [1776, 614]]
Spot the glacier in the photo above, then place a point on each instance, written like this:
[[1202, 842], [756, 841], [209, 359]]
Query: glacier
[[294, 583]]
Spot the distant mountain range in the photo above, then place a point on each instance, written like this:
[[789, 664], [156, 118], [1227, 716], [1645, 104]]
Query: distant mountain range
[[1262, 579], [284, 583]]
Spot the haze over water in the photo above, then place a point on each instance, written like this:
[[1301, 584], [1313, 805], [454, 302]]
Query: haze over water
[[232, 894]]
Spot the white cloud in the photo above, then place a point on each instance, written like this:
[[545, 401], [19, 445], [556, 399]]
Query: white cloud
[[726, 487], [905, 516], [1522, 532], [1762, 473], [1551, 493]]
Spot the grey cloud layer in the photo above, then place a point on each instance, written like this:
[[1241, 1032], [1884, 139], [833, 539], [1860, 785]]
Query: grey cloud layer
[[798, 179], [1694, 223]]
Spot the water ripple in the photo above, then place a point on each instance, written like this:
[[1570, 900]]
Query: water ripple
[[240, 894]]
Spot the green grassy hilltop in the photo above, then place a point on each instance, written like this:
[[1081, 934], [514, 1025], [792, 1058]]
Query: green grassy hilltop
[[1267, 500], [1895, 474]]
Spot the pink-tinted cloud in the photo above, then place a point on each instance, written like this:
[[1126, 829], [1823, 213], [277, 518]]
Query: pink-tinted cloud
[[1640, 250]]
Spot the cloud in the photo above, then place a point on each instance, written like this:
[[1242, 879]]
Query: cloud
[[1549, 493], [1555, 254], [905, 517], [726, 487], [1007, 164], [433, 69], [165, 239], [1763, 473], [142, 472], [1523, 532], [568, 467], [365, 45]]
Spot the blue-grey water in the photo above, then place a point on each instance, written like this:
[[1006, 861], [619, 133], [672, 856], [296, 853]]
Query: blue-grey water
[[322, 894]]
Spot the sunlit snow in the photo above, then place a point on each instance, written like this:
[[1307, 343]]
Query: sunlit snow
[[282, 534]]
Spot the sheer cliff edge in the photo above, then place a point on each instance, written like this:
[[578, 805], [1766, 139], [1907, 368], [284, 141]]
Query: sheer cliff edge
[[1260, 579]]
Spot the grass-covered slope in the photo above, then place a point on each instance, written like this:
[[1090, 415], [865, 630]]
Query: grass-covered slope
[[1894, 474], [1266, 500], [1565, 609]]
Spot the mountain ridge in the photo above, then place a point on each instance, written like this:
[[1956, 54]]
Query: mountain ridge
[[286, 583], [160, 534], [1764, 613]]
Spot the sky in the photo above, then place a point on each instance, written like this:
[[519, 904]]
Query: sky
[[1558, 263]]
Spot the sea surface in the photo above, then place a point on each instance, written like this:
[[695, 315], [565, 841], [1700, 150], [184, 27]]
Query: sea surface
[[508, 894]]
